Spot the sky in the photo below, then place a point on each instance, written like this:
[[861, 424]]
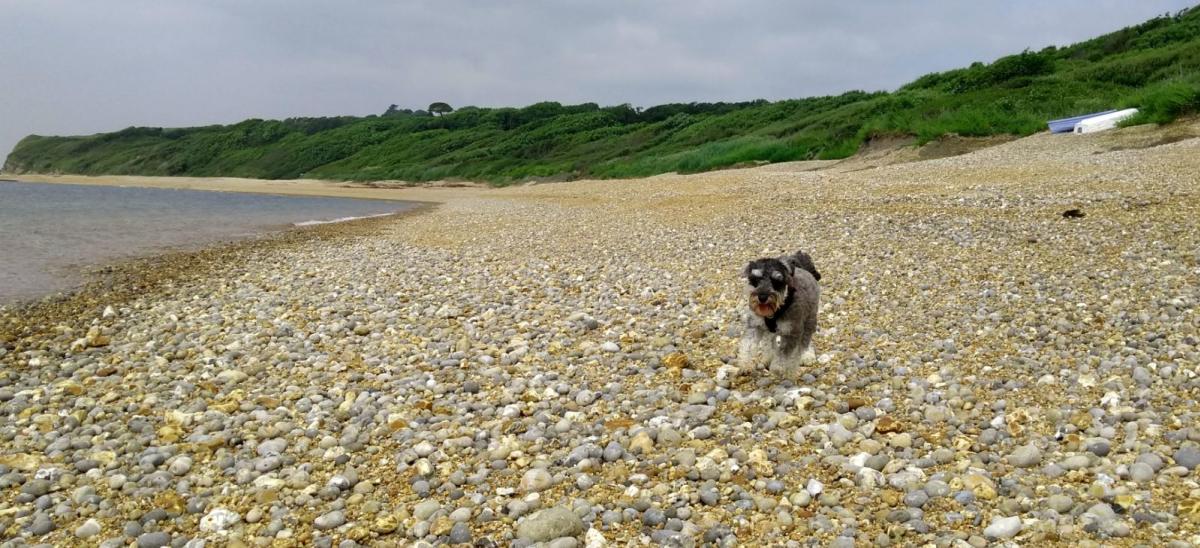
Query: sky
[[88, 66]]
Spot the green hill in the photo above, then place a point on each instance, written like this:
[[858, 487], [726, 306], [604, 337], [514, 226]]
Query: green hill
[[1154, 66]]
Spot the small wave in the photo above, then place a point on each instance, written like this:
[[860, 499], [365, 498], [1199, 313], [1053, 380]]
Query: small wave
[[340, 220]]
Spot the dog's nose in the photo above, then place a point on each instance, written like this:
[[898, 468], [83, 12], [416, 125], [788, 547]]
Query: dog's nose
[[763, 298]]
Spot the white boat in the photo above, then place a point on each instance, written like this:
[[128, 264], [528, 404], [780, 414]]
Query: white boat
[[1104, 121]]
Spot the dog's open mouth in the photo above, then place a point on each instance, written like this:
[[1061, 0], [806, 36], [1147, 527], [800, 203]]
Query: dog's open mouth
[[763, 309]]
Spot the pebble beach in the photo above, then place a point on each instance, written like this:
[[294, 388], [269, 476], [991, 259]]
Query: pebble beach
[[553, 365]]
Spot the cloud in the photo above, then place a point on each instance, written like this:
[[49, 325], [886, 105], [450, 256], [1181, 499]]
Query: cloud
[[77, 67]]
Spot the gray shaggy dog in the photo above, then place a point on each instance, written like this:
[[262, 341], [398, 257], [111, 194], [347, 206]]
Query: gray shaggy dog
[[782, 297]]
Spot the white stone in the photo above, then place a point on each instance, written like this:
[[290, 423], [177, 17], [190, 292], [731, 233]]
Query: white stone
[[594, 539], [1003, 528], [219, 520], [536, 480]]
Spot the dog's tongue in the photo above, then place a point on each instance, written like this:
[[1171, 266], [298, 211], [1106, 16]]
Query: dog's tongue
[[764, 309]]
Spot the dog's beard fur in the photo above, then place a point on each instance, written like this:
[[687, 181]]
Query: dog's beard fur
[[767, 309]]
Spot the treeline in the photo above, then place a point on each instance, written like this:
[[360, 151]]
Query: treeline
[[1154, 66]]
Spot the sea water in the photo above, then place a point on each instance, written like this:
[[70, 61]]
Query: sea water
[[50, 233]]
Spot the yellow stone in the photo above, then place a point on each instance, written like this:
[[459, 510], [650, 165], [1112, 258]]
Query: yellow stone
[[980, 485], [887, 425], [385, 524], [171, 502], [396, 423], [72, 388], [641, 443], [1190, 509], [358, 532], [169, 434], [177, 417], [615, 424], [676, 360], [20, 461], [442, 526], [225, 407], [45, 423]]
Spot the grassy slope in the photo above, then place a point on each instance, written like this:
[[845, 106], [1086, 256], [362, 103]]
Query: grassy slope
[[1154, 66]]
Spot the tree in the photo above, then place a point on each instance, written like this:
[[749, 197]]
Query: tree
[[392, 110], [440, 108]]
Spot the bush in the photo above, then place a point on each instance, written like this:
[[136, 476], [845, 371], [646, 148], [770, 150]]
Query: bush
[[1165, 102]]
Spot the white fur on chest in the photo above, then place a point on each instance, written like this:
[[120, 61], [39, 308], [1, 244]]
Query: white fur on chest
[[781, 328]]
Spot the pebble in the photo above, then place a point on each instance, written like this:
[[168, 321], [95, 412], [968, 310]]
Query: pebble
[[1002, 528], [1060, 503], [180, 466], [536, 480], [916, 499], [219, 520], [1188, 457], [565, 542], [424, 509], [1025, 456], [460, 533], [89, 529], [1075, 462], [549, 524], [156, 539], [36, 487], [331, 520], [585, 397], [1141, 472], [41, 525]]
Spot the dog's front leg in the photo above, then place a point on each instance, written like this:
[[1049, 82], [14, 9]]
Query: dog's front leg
[[749, 352], [755, 348], [788, 358]]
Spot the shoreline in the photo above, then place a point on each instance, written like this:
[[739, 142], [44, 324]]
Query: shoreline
[[84, 272], [111, 283]]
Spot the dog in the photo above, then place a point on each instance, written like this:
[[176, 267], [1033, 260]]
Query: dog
[[782, 297]]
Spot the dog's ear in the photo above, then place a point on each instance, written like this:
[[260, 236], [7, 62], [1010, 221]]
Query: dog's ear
[[803, 261], [746, 270], [791, 276]]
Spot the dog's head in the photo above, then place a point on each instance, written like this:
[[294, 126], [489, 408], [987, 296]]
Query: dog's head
[[767, 282]]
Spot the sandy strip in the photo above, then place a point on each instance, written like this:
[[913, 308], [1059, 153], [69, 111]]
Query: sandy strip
[[288, 187]]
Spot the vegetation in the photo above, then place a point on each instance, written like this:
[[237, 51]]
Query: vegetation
[[1154, 66]]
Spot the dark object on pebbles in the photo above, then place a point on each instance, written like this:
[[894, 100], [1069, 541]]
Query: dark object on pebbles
[[1074, 214]]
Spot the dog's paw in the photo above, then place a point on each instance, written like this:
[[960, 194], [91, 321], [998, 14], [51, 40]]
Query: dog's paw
[[808, 357], [785, 368]]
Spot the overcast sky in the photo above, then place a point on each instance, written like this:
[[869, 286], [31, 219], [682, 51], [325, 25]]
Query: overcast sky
[[86, 66]]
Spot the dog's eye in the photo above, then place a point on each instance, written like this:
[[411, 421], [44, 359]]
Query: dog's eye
[[777, 284], [754, 280]]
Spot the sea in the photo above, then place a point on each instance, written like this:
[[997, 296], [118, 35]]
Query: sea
[[51, 234]]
